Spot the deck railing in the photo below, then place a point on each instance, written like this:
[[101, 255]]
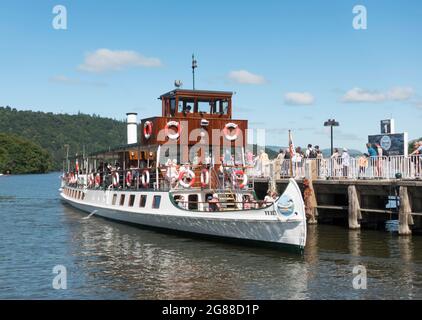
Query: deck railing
[[408, 167]]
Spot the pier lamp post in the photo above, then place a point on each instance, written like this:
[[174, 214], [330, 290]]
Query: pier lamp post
[[331, 123]]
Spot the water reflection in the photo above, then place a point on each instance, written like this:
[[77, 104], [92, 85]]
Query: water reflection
[[107, 260]]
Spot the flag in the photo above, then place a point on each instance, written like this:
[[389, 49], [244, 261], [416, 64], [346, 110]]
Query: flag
[[292, 150]]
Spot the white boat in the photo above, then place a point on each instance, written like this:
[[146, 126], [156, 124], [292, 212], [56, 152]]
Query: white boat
[[209, 196]]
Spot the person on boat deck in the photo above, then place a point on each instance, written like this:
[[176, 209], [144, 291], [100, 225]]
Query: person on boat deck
[[214, 203], [183, 203], [247, 203], [268, 198]]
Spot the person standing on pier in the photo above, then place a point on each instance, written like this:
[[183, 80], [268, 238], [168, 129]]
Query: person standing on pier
[[345, 160], [372, 155]]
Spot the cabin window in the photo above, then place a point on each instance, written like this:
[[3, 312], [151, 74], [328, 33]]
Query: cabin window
[[172, 107], [204, 106], [156, 202], [83, 196], [186, 105], [193, 202], [122, 200], [143, 201], [131, 200], [113, 202]]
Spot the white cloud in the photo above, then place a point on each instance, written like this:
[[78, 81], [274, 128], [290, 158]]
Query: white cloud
[[246, 77], [108, 60], [299, 98], [400, 93], [61, 79], [363, 95]]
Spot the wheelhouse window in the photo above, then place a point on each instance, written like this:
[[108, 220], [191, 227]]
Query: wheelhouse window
[[142, 201], [205, 106], [186, 105], [156, 202], [172, 107], [113, 202]]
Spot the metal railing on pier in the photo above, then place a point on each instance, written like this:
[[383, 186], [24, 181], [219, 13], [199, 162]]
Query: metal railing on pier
[[404, 167]]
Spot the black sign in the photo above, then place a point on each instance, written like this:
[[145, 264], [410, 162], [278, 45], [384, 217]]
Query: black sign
[[394, 144]]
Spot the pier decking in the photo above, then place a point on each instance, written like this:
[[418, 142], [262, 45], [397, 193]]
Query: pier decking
[[368, 202]]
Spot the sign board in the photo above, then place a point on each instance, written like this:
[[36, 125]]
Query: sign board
[[395, 144], [387, 126]]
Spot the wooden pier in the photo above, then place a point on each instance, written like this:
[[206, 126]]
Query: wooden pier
[[361, 203]]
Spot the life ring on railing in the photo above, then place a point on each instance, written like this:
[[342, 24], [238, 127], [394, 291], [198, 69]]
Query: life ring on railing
[[240, 175], [115, 179], [129, 178], [147, 129], [191, 175], [173, 136], [145, 177], [205, 178], [228, 135], [97, 180]]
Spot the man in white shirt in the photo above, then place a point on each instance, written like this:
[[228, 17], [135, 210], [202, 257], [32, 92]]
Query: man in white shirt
[[345, 160]]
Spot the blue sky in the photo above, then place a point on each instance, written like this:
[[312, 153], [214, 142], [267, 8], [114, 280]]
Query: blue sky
[[292, 64]]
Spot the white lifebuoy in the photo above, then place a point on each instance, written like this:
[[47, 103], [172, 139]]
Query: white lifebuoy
[[129, 178], [226, 131], [145, 178], [238, 175], [176, 135], [116, 179], [205, 178], [189, 174], [147, 129]]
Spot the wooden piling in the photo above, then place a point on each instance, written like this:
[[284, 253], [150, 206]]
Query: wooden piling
[[313, 219], [354, 208], [405, 217]]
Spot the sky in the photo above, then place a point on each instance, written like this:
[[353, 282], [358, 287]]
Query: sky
[[292, 64]]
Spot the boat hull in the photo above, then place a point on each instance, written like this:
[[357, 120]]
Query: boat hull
[[264, 226]]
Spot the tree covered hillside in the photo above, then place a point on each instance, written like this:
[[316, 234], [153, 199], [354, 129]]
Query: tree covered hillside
[[18, 155], [53, 131]]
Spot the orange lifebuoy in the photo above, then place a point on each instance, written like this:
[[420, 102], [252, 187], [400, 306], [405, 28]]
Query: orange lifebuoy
[[240, 173], [129, 178], [147, 129], [228, 135], [173, 136], [191, 176]]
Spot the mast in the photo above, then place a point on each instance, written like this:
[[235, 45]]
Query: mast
[[194, 66]]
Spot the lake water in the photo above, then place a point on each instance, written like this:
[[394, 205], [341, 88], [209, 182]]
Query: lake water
[[107, 260]]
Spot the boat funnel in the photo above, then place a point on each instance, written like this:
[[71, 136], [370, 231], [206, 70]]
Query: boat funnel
[[132, 127]]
